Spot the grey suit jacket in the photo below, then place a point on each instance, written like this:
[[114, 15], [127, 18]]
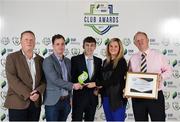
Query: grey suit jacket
[[54, 79]]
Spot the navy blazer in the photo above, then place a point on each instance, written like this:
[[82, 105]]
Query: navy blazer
[[78, 64]]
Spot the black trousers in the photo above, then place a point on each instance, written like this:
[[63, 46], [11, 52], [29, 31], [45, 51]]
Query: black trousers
[[84, 106], [155, 108], [31, 113]]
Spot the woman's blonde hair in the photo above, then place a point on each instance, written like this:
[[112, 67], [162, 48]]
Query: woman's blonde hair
[[119, 55]]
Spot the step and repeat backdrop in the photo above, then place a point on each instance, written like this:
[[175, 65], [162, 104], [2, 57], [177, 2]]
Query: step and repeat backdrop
[[105, 19]]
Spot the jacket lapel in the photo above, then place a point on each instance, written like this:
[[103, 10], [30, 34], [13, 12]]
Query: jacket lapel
[[94, 65], [24, 62], [68, 68], [83, 61], [57, 66]]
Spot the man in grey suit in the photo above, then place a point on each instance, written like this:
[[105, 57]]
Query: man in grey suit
[[57, 69]]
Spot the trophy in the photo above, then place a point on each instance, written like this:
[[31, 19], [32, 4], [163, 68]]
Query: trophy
[[83, 77]]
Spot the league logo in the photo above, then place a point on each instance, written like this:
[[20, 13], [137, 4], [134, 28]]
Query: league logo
[[66, 52], [16, 41], [98, 41], [46, 41], [3, 62], [126, 41], [75, 51], [165, 42], [176, 74], [101, 17], [166, 94], [5, 40], [176, 106], [167, 105]]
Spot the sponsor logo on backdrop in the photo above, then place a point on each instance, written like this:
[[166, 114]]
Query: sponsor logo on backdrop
[[6, 51], [166, 94], [126, 41], [44, 51], [128, 52], [2, 116], [2, 107], [3, 51], [98, 41], [165, 41], [72, 41], [101, 17], [169, 52], [177, 44], [125, 51], [153, 42], [106, 41], [176, 106], [3, 94], [37, 43], [174, 95], [3, 62], [174, 63], [5, 41], [37, 51], [103, 52], [75, 51], [46, 41], [167, 105], [2, 83], [170, 116], [170, 84], [176, 74], [3, 73], [67, 41], [49, 51], [66, 52], [16, 41]]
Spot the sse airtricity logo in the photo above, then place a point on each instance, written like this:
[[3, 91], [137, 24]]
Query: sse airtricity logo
[[101, 17]]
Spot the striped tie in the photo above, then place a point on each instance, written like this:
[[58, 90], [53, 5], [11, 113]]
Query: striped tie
[[143, 63]]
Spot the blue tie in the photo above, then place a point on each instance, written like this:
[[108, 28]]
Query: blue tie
[[89, 66]]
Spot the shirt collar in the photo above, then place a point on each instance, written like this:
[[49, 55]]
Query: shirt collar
[[34, 55], [147, 52], [88, 57], [58, 57]]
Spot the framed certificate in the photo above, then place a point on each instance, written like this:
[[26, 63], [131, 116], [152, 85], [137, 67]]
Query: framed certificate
[[141, 85]]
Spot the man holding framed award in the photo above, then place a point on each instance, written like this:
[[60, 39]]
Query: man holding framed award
[[147, 70]]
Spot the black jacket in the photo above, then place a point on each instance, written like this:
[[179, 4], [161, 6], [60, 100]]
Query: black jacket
[[113, 82], [78, 65]]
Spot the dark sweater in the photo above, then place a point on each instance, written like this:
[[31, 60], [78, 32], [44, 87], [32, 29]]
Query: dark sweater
[[113, 83]]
